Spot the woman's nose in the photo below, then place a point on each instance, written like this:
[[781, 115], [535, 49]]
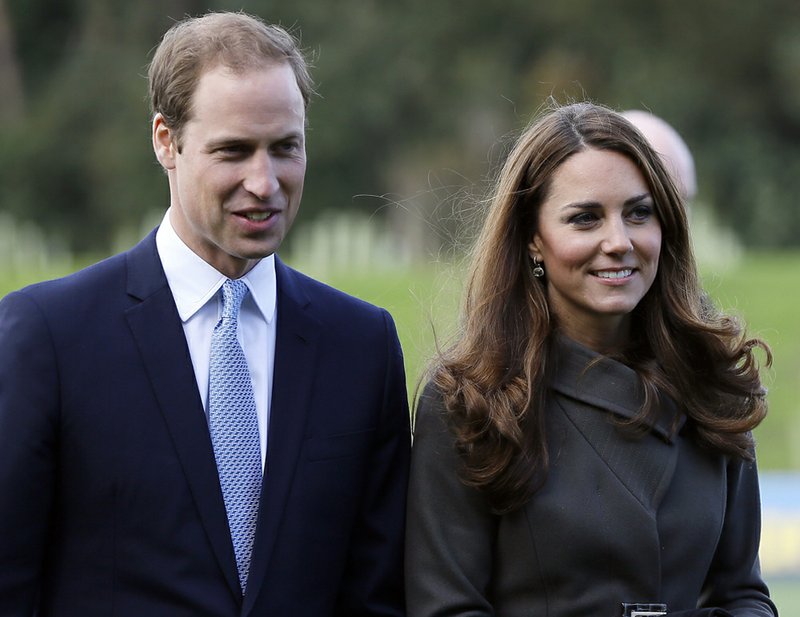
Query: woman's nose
[[617, 240]]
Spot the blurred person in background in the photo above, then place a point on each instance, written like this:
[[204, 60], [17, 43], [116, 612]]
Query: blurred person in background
[[193, 428], [671, 147], [585, 446]]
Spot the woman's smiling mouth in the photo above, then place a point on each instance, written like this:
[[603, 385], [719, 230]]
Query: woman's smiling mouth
[[613, 274]]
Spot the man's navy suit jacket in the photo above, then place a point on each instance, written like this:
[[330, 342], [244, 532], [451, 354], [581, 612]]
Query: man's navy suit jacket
[[110, 503]]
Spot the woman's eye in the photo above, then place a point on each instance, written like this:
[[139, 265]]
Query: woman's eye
[[583, 219], [641, 213]]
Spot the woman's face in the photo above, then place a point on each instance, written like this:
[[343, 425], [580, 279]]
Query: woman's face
[[599, 240]]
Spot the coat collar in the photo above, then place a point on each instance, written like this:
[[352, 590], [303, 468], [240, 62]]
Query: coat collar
[[604, 383], [591, 389], [156, 327], [296, 356]]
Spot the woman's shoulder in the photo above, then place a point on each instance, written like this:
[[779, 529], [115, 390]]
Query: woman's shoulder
[[431, 395], [430, 410]]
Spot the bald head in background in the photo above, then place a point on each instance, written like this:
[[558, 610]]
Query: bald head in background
[[670, 145]]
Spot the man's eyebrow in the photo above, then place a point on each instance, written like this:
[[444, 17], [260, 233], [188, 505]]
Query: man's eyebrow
[[231, 140], [299, 135], [221, 142]]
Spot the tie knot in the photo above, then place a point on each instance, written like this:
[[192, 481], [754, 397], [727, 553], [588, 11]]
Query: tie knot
[[233, 292]]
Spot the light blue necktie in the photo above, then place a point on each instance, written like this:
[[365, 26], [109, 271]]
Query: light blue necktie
[[233, 424]]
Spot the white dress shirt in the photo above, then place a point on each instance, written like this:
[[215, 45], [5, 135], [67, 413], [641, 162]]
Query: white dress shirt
[[195, 285]]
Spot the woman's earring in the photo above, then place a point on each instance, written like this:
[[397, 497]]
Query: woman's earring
[[538, 270]]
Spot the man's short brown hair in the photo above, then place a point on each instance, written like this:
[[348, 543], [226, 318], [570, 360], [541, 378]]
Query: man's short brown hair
[[236, 41]]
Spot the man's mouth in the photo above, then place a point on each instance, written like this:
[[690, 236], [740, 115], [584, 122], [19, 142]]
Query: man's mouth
[[257, 216]]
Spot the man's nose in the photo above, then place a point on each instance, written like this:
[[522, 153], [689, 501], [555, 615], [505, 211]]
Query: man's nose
[[261, 179]]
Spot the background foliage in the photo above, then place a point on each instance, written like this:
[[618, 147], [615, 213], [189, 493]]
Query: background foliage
[[417, 100]]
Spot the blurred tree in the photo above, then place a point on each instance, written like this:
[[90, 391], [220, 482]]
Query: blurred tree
[[418, 100], [11, 102], [41, 32]]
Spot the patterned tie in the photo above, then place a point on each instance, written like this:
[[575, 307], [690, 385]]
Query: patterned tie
[[233, 424]]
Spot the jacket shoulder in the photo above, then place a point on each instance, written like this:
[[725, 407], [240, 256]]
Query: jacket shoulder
[[330, 303], [90, 285]]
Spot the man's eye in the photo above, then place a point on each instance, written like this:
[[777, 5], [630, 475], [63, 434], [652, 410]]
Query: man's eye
[[287, 147], [232, 151]]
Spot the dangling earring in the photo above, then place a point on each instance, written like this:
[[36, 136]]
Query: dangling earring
[[538, 270]]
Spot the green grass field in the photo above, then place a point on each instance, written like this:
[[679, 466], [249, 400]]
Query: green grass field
[[763, 289], [425, 300], [786, 595]]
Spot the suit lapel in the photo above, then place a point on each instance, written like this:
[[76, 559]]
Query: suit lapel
[[295, 361], [158, 332]]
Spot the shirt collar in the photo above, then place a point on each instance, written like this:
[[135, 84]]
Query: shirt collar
[[194, 281]]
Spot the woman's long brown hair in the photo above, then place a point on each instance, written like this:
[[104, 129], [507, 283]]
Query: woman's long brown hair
[[494, 378]]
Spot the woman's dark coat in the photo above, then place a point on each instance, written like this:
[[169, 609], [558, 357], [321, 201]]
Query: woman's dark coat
[[657, 518]]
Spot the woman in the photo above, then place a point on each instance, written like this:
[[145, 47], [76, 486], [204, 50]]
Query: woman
[[587, 440]]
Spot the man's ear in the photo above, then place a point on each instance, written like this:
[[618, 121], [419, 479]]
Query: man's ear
[[164, 142]]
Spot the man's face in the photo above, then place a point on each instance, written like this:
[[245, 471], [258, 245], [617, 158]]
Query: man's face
[[236, 184]]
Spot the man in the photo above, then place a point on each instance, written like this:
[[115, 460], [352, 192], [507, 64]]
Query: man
[[670, 146], [192, 428]]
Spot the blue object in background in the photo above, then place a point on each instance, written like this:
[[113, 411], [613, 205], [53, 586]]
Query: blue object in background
[[780, 528]]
